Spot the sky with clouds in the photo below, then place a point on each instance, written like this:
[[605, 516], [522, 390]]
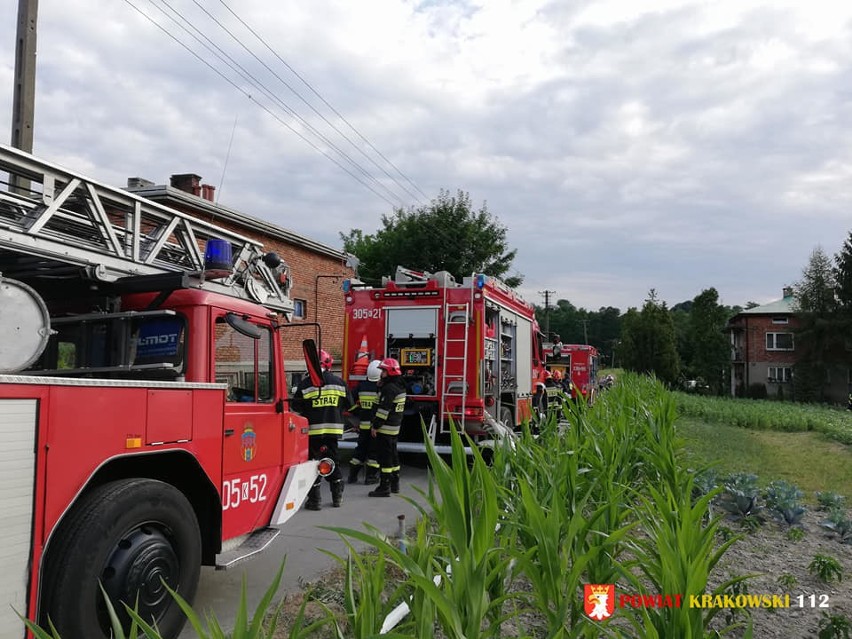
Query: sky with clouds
[[625, 144]]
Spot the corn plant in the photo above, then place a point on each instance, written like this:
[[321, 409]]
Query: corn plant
[[364, 597], [826, 568], [116, 626], [678, 556], [468, 569]]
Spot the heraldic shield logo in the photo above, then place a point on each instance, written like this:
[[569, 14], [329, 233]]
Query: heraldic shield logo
[[599, 600], [249, 443]]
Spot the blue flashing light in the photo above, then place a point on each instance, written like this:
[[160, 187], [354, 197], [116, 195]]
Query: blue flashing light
[[217, 258], [481, 280], [347, 285]]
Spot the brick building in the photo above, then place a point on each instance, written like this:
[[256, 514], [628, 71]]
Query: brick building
[[763, 348], [317, 270]]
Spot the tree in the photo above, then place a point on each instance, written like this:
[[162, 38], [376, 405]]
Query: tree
[[818, 334], [710, 349], [648, 340], [814, 293], [447, 235], [843, 277]]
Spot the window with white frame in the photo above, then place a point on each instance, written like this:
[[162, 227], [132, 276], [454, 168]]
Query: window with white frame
[[780, 374], [300, 309], [779, 341], [780, 320]]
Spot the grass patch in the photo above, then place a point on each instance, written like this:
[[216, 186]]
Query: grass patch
[[806, 459]]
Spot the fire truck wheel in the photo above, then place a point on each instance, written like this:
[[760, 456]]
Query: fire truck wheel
[[131, 536], [506, 416]]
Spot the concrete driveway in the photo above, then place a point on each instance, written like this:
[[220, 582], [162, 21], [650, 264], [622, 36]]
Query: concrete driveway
[[300, 541]]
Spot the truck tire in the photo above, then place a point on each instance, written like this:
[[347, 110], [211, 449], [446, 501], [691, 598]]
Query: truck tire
[[506, 417], [130, 535]]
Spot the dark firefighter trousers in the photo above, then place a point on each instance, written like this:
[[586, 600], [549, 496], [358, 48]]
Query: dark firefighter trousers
[[386, 454]]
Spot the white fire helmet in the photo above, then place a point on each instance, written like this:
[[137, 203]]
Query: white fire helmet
[[373, 370]]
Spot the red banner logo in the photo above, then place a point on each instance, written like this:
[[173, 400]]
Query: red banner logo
[[599, 600]]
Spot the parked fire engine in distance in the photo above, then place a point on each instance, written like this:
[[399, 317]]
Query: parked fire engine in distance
[[580, 361], [470, 351], [144, 416]]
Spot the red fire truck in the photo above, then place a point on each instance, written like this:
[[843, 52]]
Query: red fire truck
[[143, 406], [467, 350], [580, 361]]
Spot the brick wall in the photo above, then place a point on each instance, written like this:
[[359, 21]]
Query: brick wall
[[756, 329], [323, 295]]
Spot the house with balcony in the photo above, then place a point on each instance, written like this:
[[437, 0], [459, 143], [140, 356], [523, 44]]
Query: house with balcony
[[764, 353], [763, 348]]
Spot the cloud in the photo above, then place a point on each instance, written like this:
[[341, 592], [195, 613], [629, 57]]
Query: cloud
[[668, 144]]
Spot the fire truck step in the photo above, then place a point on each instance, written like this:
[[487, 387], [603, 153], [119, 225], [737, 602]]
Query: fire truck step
[[252, 544]]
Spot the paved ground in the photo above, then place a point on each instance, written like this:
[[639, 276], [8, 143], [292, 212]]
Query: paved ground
[[300, 541]]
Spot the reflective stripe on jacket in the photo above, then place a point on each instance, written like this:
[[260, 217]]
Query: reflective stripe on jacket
[[323, 406], [366, 402], [390, 408]]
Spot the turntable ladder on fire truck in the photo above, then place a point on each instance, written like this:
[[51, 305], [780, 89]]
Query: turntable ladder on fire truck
[[56, 223], [453, 376]]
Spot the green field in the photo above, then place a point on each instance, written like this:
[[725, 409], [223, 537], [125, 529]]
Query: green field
[[807, 459]]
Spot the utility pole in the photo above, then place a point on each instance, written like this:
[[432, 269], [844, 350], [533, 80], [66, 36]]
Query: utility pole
[[585, 331], [547, 295], [23, 96]]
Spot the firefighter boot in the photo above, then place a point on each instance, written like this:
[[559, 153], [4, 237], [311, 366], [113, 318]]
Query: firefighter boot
[[383, 489], [337, 493], [371, 476], [354, 470], [394, 481], [314, 498]]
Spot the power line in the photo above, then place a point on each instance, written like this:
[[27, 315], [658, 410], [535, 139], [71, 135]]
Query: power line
[[262, 106], [240, 70], [326, 103], [452, 239]]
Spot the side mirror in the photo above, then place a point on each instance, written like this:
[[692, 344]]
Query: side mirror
[[242, 326]]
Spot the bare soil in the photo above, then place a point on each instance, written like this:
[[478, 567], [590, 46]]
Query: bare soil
[[779, 562], [782, 567]]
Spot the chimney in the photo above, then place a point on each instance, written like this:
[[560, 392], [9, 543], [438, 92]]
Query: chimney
[[187, 182], [787, 291], [207, 192], [138, 183]]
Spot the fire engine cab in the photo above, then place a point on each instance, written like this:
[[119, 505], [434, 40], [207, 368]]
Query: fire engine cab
[[578, 362], [144, 423], [469, 351]]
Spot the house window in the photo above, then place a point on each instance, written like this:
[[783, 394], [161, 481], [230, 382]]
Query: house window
[[780, 320], [779, 341], [780, 374], [300, 309]]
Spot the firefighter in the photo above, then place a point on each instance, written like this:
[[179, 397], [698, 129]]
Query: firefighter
[[553, 388], [324, 409], [366, 401], [385, 427], [540, 400], [568, 386]]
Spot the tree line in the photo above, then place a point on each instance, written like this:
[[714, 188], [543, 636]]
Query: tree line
[[685, 342]]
